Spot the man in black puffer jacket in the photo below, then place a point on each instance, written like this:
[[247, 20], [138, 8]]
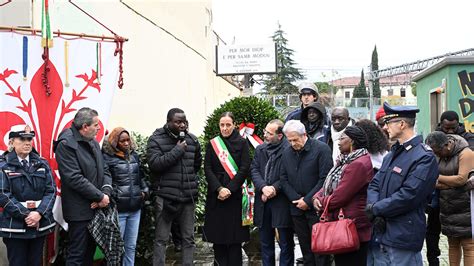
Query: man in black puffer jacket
[[174, 157]]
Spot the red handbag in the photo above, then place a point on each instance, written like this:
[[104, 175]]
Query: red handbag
[[334, 237]]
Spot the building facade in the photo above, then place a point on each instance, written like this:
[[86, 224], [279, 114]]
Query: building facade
[[447, 85], [168, 60], [391, 88]]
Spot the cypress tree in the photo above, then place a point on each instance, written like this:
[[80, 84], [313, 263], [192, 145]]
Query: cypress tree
[[375, 66], [287, 73], [360, 90]]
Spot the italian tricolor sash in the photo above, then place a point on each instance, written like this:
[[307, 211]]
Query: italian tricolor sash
[[231, 169]]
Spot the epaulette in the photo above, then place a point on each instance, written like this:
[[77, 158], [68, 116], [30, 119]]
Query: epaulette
[[426, 147]]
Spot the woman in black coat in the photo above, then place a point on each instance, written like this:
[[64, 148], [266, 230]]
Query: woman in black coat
[[223, 213]]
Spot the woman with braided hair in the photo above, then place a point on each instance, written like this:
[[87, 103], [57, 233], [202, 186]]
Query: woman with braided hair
[[347, 184], [377, 142]]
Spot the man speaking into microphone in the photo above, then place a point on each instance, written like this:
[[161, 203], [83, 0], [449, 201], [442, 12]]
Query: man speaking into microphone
[[174, 158]]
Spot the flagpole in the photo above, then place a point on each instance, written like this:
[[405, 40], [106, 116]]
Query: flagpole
[[59, 33]]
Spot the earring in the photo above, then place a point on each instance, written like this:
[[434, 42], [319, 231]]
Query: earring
[[350, 149]]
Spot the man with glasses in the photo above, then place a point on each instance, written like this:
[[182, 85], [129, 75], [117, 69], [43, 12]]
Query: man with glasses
[[399, 192], [272, 207], [174, 158]]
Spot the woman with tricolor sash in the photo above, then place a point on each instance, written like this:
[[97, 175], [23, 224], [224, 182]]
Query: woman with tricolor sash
[[226, 165]]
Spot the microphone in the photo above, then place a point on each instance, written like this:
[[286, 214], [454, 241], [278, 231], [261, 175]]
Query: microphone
[[181, 136]]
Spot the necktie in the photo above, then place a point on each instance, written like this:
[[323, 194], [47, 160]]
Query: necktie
[[24, 163]]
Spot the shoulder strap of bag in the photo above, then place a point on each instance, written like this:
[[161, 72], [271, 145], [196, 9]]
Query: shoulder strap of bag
[[224, 156], [324, 216]]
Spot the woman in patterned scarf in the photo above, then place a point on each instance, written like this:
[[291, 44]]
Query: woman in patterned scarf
[[347, 184]]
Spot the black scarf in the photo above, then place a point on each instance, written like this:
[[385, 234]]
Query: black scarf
[[274, 152], [232, 141]]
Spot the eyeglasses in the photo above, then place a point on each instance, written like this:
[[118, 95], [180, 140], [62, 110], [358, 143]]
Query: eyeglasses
[[393, 121], [268, 133], [26, 138]]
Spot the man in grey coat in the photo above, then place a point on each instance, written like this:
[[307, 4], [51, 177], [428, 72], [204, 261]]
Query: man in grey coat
[[85, 182]]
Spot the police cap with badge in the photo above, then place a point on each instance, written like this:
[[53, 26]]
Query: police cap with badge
[[392, 112], [21, 131]]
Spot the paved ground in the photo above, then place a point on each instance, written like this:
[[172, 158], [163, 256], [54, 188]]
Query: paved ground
[[3, 253], [443, 246], [204, 254]]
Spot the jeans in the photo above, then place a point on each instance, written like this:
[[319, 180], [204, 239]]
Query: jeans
[[372, 246], [461, 247], [22, 252], [184, 215], [390, 256], [129, 223], [267, 240]]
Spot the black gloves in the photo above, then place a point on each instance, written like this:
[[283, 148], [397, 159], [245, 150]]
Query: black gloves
[[377, 221], [369, 212], [379, 225]]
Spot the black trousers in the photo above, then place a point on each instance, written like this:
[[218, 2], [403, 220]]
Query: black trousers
[[433, 230], [25, 252], [355, 258], [81, 245], [303, 225], [227, 255]]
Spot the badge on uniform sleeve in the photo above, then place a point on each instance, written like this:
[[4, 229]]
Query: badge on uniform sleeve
[[397, 170], [12, 173]]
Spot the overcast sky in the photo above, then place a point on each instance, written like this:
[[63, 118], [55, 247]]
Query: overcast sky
[[340, 35]]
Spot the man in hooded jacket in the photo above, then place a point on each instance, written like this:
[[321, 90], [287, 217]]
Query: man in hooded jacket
[[314, 119]]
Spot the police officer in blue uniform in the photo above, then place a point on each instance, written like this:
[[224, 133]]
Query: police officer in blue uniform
[[399, 192], [27, 194]]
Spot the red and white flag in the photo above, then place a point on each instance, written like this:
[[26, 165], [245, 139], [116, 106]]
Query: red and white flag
[[81, 73]]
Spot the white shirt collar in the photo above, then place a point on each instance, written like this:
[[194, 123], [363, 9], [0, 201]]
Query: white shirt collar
[[27, 158]]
